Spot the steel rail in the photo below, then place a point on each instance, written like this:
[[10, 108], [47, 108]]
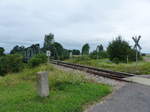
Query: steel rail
[[96, 71]]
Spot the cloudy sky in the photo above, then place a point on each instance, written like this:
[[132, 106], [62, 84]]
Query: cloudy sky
[[74, 22]]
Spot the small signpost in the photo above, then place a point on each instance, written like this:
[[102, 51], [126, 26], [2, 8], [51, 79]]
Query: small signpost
[[137, 46], [48, 54]]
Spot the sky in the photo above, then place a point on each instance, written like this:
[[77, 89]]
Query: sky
[[74, 22]]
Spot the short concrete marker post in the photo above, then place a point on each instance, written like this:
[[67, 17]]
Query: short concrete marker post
[[42, 84]]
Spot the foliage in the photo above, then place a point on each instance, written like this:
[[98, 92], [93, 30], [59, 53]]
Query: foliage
[[37, 60], [85, 49], [132, 55], [18, 50], [116, 60], [10, 63], [75, 52], [66, 54], [2, 51], [98, 55], [141, 68], [120, 49], [100, 48], [69, 92], [48, 41], [57, 50]]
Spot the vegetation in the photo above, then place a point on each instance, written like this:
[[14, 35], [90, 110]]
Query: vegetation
[[118, 51], [57, 50], [18, 50], [10, 63], [85, 49], [98, 55], [75, 52], [100, 48], [2, 51], [142, 67], [37, 60], [69, 91]]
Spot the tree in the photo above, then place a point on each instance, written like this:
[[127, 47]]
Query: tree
[[66, 53], [75, 52], [37, 60], [59, 50], [118, 49], [48, 41], [100, 48], [85, 49], [2, 51], [17, 50], [11, 63]]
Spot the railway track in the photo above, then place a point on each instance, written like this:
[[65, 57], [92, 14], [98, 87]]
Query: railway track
[[96, 71]]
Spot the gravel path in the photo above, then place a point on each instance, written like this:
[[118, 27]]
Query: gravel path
[[115, 84], [130, 98]]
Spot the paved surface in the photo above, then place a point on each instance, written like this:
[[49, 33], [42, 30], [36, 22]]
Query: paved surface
[[140, 80], [130, 98]]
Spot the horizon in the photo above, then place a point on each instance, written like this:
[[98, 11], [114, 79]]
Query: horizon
[[73, 23]]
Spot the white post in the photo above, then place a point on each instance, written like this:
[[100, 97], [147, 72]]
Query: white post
[[42, 84], [48, 53], [127, 59], [70, 54]]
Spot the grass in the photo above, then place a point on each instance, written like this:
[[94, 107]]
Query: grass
[[142, 67], [69, 92]]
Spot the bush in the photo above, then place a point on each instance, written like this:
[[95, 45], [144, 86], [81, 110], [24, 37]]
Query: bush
[[120, 49], [115, 60], [37, 60], [11, 63], [132, 55], [83, 58], [100, 55]]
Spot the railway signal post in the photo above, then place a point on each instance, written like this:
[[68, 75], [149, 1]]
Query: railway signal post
[[137, 46]]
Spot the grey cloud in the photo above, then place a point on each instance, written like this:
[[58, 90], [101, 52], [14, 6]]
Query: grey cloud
[[74, 22]]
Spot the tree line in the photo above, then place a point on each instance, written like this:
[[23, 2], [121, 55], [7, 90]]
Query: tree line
[[117, 51]]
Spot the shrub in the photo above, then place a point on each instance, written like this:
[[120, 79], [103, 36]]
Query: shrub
[[85, 49], [132, 55], [37, 60], [115, 60], [2, 51], [11, 63], [118, 48], [100, 55]]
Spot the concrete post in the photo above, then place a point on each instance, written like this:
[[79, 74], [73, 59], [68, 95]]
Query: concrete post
[[42, 84]]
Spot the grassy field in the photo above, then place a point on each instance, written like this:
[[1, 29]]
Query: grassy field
[[69, 92], [143, 67]]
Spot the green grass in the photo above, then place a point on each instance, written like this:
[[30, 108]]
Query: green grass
[[69, 92], [142, 68]]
